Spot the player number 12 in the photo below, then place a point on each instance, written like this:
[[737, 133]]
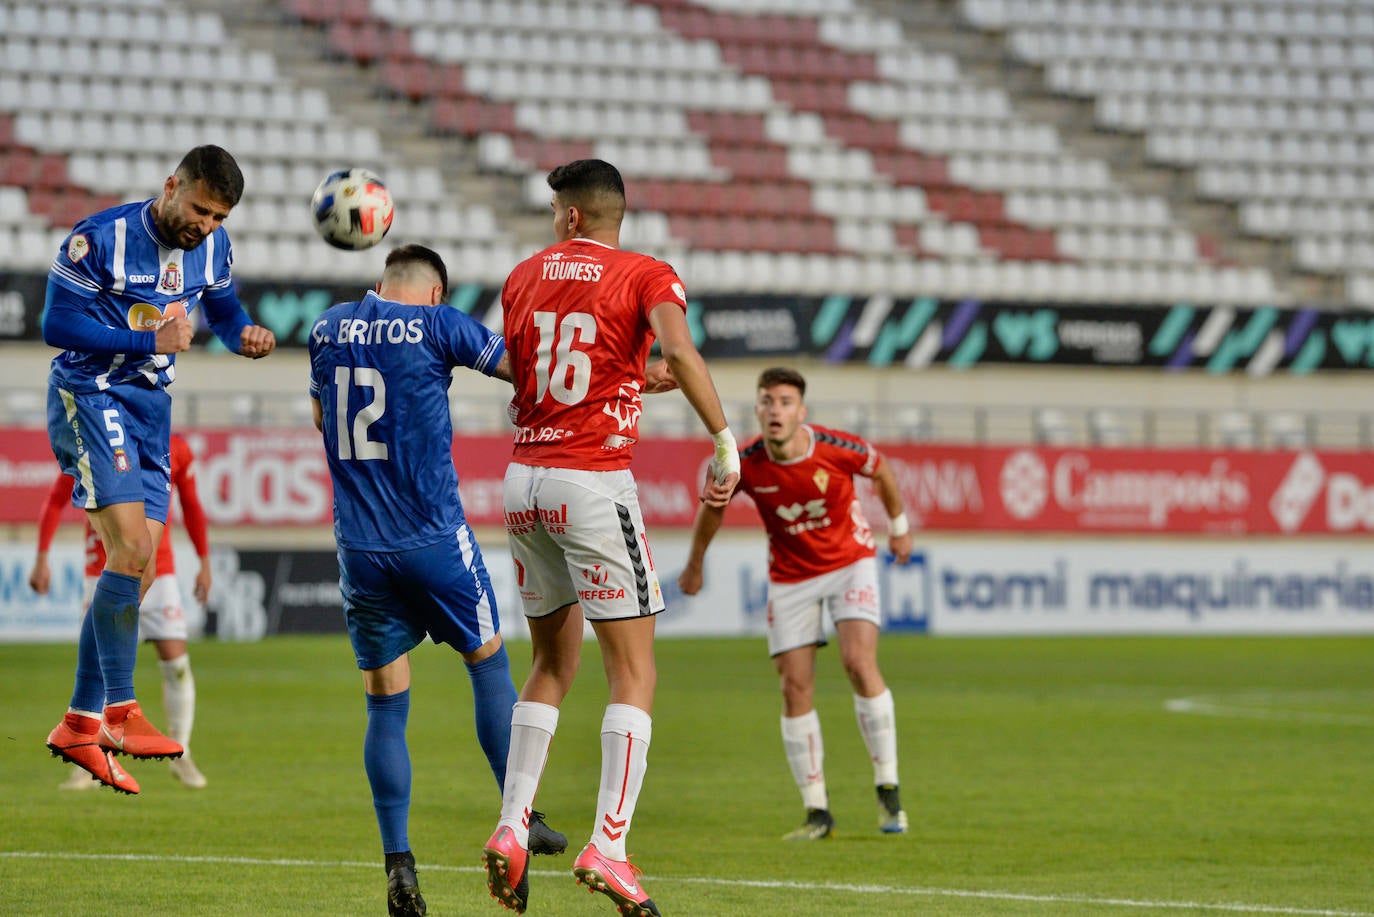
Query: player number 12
[[358, 445]]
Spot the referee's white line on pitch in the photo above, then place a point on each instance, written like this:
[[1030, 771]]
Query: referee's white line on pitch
[[1249, 709], [1227, 907]]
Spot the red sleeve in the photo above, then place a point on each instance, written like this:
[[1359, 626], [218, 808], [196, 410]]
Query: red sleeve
[[875, 461], [59, 498], [660, 284], [192, 511]]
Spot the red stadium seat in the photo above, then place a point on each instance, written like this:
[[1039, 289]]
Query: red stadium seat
[[17, 166], [322, 12], [751, 162], [411, 79], [50, 171], [814, 95], [711, 198], [728, 127]]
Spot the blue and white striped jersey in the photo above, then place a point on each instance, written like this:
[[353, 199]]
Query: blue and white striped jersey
[[115, 262]]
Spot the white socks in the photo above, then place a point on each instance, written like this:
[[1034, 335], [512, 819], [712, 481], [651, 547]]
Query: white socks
[[625, 734], [801, 739], [531, 730], [179, 697], [878, 724]]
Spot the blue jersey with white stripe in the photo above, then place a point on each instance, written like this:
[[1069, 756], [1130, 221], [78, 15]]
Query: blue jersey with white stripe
[[127, 277], [381, 372]]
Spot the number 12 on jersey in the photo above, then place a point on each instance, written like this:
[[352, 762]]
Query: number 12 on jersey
[[358, 446]]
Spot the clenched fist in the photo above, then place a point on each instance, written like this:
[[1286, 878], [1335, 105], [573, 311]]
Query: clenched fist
[[256, 342], [174, 335]]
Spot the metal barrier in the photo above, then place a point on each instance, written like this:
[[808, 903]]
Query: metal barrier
[[916, 422]]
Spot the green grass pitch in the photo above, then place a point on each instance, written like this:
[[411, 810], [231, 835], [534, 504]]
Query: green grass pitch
[[1045, 776]]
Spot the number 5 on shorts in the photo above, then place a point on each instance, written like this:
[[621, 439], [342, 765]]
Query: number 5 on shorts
[[115, 428]]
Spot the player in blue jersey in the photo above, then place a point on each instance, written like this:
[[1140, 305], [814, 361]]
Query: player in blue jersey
[[409, 565], [119, 299]]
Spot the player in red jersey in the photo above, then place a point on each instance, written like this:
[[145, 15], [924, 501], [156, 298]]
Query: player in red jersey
[[161, 617], [820, 559], [580, 317]]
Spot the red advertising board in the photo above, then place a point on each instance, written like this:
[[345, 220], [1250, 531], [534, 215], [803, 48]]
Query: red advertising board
[[279, 478], [1226, 492]]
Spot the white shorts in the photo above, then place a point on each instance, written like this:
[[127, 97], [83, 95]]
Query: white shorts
[[161, 616], [578, 536], [795, 610]]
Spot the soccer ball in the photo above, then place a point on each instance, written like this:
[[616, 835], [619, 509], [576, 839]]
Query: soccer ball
[[352, 209]]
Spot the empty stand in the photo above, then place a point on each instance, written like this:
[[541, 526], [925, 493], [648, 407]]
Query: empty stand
[[818, 106], [88, 118], [810, 145], [1266, 101]]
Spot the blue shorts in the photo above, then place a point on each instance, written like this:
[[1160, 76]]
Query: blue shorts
[[116, 444], [393, 599]]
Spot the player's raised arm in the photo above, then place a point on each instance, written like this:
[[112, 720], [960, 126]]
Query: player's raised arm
[[231, 324], [69, 324], [689, 369]]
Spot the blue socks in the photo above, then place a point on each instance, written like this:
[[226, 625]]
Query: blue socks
[[387, 761], [89, 692], [113, 618], [493, 699]]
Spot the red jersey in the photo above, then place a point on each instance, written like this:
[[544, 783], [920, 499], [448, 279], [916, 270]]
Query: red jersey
[[814, 521], [183, 482], [576, 321]]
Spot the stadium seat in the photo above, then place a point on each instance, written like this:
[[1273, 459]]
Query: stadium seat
[[1261, 112], [1236, 430], [1286, 430], [1052, 427], [1106, 427]]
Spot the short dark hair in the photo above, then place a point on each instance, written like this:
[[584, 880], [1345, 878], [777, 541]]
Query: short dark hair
[[213, 166], [592, 185], [782, 375], [418, 254]]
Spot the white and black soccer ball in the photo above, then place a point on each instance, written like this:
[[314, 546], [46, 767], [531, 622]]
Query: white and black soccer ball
[[352, 209]]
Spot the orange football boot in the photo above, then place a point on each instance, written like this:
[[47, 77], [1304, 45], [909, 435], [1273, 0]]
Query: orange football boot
[[124, 730], [71, 741]]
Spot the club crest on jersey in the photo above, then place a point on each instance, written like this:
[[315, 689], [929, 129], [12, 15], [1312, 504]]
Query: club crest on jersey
[[78, 247], [121, 461], [171, 278], [822, 479]]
